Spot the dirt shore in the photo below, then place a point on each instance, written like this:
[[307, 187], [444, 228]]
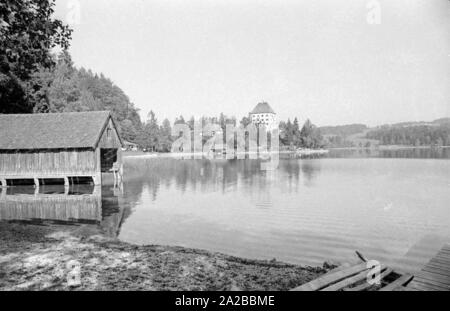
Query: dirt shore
[[38, 257]]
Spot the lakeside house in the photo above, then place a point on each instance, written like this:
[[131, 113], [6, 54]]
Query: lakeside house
[[129, 146], [58, 147], [263, 114]]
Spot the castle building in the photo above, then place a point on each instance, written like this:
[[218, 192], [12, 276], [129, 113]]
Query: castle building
[[263, 114]]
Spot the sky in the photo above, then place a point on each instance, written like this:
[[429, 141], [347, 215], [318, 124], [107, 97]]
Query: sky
[[332, 61]]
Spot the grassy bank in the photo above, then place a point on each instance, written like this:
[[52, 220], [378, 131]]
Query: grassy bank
[[37, 257]]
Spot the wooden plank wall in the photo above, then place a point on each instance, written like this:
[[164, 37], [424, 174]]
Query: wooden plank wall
[[111, 141], [48, 162], [51, 207]]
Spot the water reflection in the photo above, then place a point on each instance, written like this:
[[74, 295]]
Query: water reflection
[[212, 175], [402, 153], [306, 211], [226, 175], [100, 208]]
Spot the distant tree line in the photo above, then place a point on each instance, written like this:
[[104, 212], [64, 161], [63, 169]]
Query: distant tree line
[[339, 141], [291, 135], [343, 130], [421, 135], [155, 137], [339, 136]]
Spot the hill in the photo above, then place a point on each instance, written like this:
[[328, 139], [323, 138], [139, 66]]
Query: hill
[[343, 130]]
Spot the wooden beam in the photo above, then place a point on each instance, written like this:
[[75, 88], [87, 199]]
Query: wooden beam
[[439, 266], [367, 285], [401, 281], [350, 281], [97, 179], [340, 268], [434, 277], [431, 269], [361, 256], [326, 280], [426, 285]]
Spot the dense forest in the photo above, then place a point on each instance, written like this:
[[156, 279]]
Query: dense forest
[[64, 88], [291, 135], [413, 135], [434, 133], [340, 136], [343, 130]]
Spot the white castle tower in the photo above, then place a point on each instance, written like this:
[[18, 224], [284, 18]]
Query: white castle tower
[[263, 114]]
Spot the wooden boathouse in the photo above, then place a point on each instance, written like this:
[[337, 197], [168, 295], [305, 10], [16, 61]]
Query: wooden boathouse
[[58, 147]]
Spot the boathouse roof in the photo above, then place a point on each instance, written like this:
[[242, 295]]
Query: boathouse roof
[[262, 108], [52, 130]]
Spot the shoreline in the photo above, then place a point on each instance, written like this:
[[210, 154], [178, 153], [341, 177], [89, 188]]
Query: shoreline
[[37, 257], [180, 155], [131, 155], [389, 147]]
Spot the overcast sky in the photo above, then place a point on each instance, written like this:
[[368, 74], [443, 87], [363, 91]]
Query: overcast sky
[[321, 60]]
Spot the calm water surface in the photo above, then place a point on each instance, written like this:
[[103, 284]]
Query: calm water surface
[[394, 209]]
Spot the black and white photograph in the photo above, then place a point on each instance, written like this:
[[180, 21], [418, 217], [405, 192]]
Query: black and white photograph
[[223, 150]]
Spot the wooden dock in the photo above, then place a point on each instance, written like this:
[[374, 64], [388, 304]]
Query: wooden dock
[[435, 275], [359, 277]]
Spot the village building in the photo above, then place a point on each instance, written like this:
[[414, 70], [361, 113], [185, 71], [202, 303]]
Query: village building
[[129, 146], [264, 115], [64, 147]]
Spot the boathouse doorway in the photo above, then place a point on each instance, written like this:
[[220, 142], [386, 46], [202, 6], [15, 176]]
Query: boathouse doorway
[[108, 156]]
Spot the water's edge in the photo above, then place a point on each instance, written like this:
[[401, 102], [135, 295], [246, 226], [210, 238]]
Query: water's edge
[[36, 258]]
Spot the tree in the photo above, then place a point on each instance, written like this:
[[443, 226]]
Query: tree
[[179, 120], [245, 121], [289, 133], [56, 90], [128, 130], [27, 34], [296, 137], [191, 123], [165, 137], [310, 136], [150, 134], [65, 88]]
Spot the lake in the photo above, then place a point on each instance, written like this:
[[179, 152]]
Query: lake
[[391, 206]]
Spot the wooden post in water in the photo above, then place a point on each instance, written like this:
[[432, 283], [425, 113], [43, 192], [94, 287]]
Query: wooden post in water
[[3, 182], [36, 182], [97, 179]]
